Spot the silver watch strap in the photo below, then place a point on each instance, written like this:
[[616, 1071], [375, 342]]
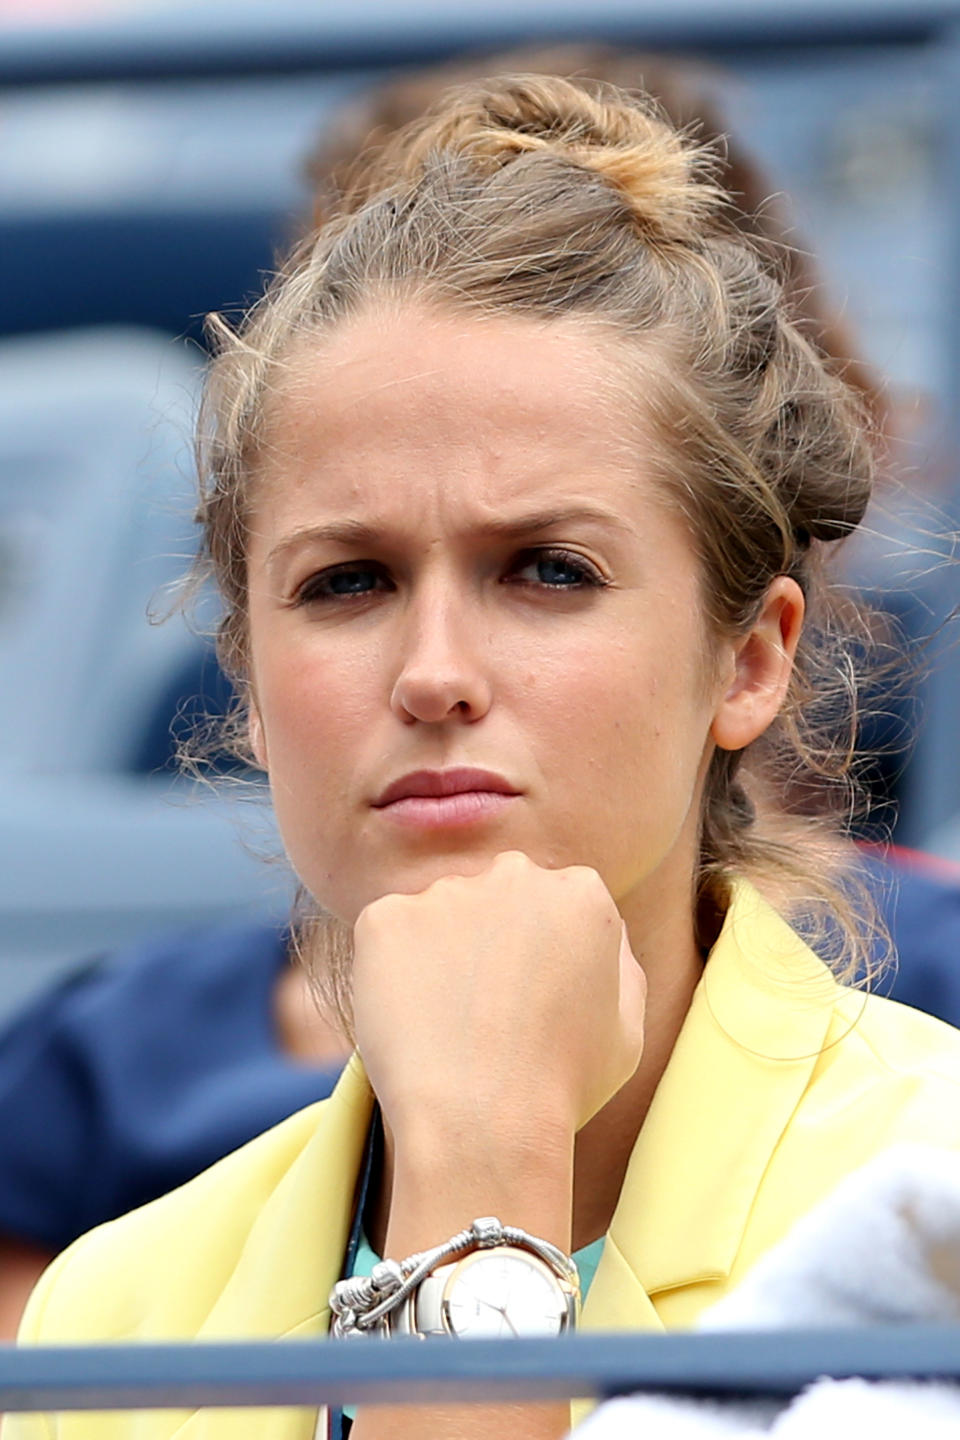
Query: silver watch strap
[[362, 1304]]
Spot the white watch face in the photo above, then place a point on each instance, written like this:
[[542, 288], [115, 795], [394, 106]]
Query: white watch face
[[498, 1293]]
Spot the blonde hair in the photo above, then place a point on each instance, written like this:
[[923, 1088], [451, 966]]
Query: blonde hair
[[688, 93], [553, 198]]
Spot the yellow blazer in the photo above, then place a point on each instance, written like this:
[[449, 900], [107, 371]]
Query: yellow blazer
[[780, 1083]]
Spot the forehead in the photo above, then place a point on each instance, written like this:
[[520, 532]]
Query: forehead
[[507, 404]]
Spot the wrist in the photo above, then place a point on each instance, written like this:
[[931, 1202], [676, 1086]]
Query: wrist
[[440, 1179], [470, 1131]]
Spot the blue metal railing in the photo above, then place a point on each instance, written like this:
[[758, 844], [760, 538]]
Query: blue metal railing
[[310, 1373]]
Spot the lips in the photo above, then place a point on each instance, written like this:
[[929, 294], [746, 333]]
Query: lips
[[437, 784]]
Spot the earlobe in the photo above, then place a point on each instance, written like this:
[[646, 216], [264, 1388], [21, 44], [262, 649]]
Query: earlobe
[[763, 664]]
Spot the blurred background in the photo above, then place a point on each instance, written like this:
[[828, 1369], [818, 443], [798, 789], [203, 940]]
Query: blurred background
[[151, 167]]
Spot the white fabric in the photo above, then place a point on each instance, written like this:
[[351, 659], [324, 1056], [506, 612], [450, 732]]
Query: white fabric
[[883, 1248], [828, 1410]]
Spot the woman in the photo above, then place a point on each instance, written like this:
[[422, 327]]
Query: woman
[[517, 486]]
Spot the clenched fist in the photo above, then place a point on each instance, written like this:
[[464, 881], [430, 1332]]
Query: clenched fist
[[505, 999]]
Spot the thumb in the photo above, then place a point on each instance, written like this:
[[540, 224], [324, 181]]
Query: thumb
[[633, 995]]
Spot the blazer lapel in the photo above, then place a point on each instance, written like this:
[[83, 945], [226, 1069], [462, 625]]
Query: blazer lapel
[[295, 1248], [281, 1281], [741, 1063]]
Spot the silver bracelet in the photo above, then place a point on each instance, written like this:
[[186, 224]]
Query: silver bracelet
[[361, 1303]]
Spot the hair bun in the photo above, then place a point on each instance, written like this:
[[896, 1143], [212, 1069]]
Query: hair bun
[[664, 176], [837, 517], [830, 494]]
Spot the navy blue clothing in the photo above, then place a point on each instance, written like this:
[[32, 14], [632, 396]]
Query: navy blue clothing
[[137, 1073], [919, 899]]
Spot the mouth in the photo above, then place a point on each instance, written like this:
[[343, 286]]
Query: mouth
[[440, 798]]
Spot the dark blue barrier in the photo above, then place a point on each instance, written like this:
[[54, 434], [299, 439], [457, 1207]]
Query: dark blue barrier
[[308, 1373], [162, 268], [292, 39]]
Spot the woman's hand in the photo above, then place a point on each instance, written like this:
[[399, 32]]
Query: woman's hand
[[502, 1003], [495, 1014]]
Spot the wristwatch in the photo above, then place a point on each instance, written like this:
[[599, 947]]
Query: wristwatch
[[487, 1280], [500, 1291]]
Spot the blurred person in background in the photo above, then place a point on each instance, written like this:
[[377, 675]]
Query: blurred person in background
[[519, 486], [139, 1071], [142, 1070]]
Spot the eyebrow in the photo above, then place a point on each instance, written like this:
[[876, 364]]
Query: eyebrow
[[358, 534]]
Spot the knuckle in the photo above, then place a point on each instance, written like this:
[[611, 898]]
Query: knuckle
[[591, 891], [444, 885], [587, 880], [384, 911], [512, 861]]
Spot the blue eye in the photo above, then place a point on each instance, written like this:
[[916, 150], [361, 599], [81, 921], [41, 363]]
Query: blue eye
[[556, 570], [343, 582]]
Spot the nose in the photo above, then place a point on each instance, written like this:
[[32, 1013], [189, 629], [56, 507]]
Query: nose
[[441, 675]]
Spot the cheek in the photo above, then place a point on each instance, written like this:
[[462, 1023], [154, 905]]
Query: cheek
[[634, 717], [309, 704]]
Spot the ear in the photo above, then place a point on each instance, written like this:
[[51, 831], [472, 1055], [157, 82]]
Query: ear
[[256, 737], [762, 664]]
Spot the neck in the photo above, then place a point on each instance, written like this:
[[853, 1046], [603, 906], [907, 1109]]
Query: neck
[[604, 1146]]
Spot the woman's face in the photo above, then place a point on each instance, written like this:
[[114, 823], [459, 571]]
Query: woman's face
[[459, 563]]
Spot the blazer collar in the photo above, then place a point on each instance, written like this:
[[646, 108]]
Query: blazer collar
[[744, 1056]]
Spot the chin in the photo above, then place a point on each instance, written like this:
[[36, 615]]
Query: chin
[[420, 873]]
